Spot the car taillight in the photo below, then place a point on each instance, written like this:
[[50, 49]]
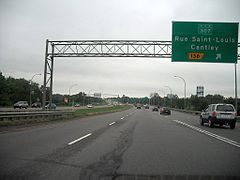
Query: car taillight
[[214, 114]]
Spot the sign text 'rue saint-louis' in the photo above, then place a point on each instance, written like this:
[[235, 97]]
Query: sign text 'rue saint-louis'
[[204, 42]]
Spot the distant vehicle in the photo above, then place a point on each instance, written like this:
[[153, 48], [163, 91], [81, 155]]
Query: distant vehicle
[[146, 107], [139, 107], [77, 105], [36, 105], [165, 110], [53, 106], [89, 106], [221, 114], [155, 109], [21, 104]]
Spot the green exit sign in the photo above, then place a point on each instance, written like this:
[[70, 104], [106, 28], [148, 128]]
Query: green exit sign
[[204, 42]]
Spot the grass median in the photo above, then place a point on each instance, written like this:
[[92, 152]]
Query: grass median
[[76, 114], [100, 110]]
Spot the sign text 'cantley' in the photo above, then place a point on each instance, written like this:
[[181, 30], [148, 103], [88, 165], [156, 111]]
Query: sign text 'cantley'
[[204, 39]]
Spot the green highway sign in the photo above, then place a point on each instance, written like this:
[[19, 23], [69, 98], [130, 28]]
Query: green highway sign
[[211, 42]]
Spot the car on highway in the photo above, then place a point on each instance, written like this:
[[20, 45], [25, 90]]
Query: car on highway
[[221, 114], [36, 105], [165, 110], [155, 109], [89, 106], [77, 105], [53, 106], [21, 104], [146, 106], [139, 107]]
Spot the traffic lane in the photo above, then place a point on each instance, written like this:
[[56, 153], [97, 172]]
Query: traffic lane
[[95, 156], [193, 120], [54, 134], [110, 145], [162, 147], [18, 147]]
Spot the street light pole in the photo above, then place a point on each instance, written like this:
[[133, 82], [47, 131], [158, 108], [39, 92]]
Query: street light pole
[[236, 96], [184, 89], [170, 93], [30, 94]]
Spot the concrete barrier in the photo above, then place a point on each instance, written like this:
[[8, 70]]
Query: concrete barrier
[[30, 115]]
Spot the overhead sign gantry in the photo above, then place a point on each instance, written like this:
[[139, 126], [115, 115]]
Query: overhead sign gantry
[[139, 49], [98, 48]]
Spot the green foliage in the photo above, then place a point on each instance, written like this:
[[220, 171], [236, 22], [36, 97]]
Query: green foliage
[[131, 100], [13, 90], [101, 110], [80, 98]]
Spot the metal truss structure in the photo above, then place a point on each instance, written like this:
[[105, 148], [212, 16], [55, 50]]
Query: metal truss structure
[[100, 48]]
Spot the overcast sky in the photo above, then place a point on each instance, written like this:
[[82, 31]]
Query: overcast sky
[[26, 24]]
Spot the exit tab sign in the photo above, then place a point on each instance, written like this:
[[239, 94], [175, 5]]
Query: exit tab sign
[[211, 42]]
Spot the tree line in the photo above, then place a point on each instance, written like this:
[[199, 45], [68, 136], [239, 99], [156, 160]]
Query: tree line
[[193, 102], [13, 90]]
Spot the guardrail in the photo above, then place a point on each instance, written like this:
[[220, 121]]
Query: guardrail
[[31, 115]]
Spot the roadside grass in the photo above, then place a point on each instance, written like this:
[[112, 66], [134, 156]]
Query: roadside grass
[[100, 110], [76, 114]]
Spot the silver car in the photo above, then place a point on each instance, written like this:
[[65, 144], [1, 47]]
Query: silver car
[[21, 104], [221, 114]]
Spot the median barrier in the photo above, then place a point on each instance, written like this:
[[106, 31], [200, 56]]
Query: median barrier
[[37, 115]]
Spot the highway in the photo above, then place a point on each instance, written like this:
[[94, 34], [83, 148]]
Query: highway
[[134, 144]]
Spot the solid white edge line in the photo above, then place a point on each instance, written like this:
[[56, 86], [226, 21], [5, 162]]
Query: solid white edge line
[[229, 141], [207, 132], [111, 123], [79, 139]]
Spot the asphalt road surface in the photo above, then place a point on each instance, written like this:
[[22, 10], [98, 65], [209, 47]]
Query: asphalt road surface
[[134, 144]]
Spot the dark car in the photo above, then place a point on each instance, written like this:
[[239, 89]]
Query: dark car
[[139, 107], [155, 109], [165, 110], [21, 104], [53, 106], [36, 105]]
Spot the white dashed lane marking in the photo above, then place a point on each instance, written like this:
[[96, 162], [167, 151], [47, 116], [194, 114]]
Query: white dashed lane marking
[[111, 123], [79, 139]]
